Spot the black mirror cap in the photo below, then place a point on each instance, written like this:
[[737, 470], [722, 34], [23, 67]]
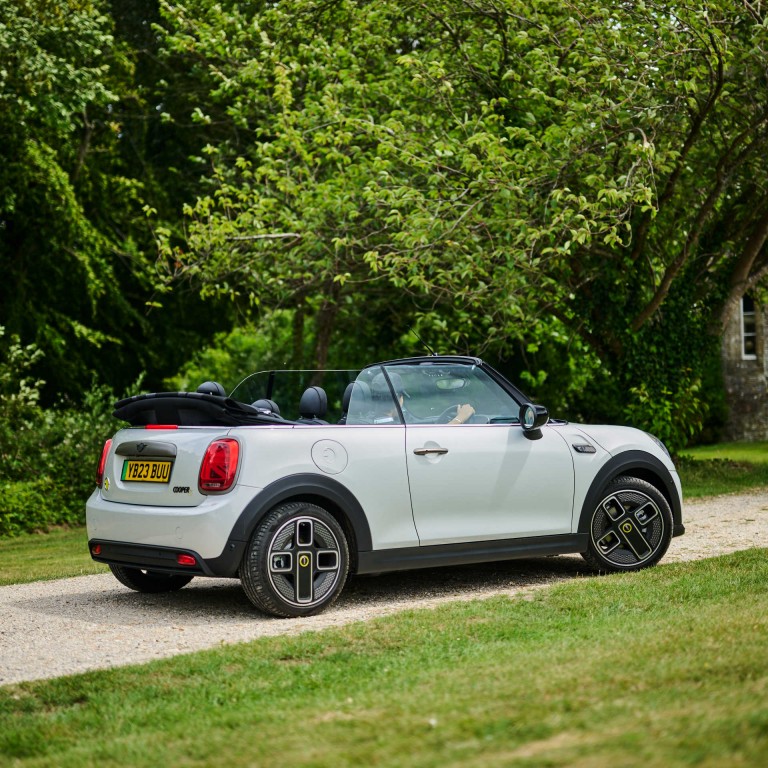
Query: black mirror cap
[[533, 417]]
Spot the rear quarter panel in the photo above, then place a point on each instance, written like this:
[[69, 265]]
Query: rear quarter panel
[[367, 460]]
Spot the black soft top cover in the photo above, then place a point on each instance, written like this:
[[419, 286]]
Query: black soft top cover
[[191, 409]]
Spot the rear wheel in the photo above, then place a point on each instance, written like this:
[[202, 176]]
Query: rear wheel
[[297, 561], [149, 581], [630, 528]]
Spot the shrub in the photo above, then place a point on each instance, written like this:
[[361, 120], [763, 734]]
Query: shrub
[[33, 505], [47, 456], [673, 417]]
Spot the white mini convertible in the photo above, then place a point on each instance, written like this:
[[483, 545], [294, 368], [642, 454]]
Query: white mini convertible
[[299, 478]]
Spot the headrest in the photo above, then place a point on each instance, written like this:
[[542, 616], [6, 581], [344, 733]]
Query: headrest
[[212, 388], [347, 396], [357, 389], [313, 403], [266, 405]]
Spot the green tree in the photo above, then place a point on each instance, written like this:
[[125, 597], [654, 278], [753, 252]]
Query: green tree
[[55, 94], [83, 151], [489, 171]]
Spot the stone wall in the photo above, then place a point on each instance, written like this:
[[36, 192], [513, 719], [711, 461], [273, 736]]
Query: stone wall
[[746, 381]]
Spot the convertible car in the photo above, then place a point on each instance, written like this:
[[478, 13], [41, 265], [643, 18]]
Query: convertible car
[[298, 479]]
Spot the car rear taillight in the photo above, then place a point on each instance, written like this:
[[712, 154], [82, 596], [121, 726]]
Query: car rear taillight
[[102, 463], [219, 467]]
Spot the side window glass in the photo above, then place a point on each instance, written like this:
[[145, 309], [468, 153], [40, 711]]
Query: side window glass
[[451, 394], [371, 401]]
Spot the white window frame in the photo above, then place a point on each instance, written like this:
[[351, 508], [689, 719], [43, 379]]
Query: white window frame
[[743, 315]]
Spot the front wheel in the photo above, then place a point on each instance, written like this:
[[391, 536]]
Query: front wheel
[[630, 528], [297, 561], [149, 581]]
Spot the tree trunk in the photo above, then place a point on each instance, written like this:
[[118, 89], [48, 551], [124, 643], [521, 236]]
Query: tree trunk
[[326, 321], [740, 277], [297, 333]]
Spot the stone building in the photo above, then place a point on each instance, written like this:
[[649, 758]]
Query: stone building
[[745, 371]]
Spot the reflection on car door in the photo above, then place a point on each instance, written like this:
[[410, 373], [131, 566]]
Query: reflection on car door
[[484, 482]]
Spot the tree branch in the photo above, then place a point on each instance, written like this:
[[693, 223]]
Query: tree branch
[[693, 134], [740, 276], [723, 173], [270, 236]]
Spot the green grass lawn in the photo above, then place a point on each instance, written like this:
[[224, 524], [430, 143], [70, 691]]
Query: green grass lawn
[[666, 667], [54, 555], [711, 470], [756, 453]]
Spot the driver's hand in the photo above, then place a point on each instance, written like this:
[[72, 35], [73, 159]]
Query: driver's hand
[[464, 412]]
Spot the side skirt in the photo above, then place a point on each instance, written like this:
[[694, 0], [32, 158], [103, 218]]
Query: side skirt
[[409, 558]]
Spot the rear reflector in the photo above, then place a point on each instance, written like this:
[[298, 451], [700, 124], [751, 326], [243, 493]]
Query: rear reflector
[[219, 467], [185, 560], [96, 550], [102, 463]]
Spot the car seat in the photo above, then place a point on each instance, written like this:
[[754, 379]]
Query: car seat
[[357, 401], [313, 406], [345, 400], [266, 405], [212, 388]]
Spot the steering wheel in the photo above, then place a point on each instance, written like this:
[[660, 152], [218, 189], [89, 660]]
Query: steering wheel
[[449, 413]]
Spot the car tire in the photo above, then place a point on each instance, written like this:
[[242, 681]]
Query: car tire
[[297, 561], [630, 528], [149, 581]]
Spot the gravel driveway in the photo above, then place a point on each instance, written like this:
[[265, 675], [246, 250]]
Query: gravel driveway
[[54, 628]]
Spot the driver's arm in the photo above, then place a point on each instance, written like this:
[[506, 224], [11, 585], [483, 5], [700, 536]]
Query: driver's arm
[[463, 413]]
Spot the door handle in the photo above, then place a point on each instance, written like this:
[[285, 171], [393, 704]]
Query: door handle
[[426, 451]]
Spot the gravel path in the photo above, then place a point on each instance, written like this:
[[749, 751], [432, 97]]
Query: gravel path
[[54, 628]]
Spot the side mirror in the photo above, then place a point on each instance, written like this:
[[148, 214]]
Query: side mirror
[[533, 418]]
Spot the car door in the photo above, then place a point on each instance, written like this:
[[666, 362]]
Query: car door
[[478, 482], [486, 478]]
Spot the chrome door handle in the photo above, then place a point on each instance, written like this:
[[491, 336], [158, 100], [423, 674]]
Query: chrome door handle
[[426, 451]]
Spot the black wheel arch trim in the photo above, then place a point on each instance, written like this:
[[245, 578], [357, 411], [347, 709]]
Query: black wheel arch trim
[[305, 487], [635, 464]]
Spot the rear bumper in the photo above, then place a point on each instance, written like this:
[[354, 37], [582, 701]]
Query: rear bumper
[[204, 529], [165, 559]]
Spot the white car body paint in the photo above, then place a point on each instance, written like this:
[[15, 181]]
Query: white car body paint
[[416, 494]]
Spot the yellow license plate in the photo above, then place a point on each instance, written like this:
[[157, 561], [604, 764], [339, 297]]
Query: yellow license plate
[[147, 471]]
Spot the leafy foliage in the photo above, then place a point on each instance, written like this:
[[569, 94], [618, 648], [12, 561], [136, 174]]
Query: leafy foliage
[[55, 95], [47, 456], [78, 165], [470, 169], [575, 188], [234, 355]]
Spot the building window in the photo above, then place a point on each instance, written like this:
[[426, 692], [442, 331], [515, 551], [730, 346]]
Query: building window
[[748, 329]]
